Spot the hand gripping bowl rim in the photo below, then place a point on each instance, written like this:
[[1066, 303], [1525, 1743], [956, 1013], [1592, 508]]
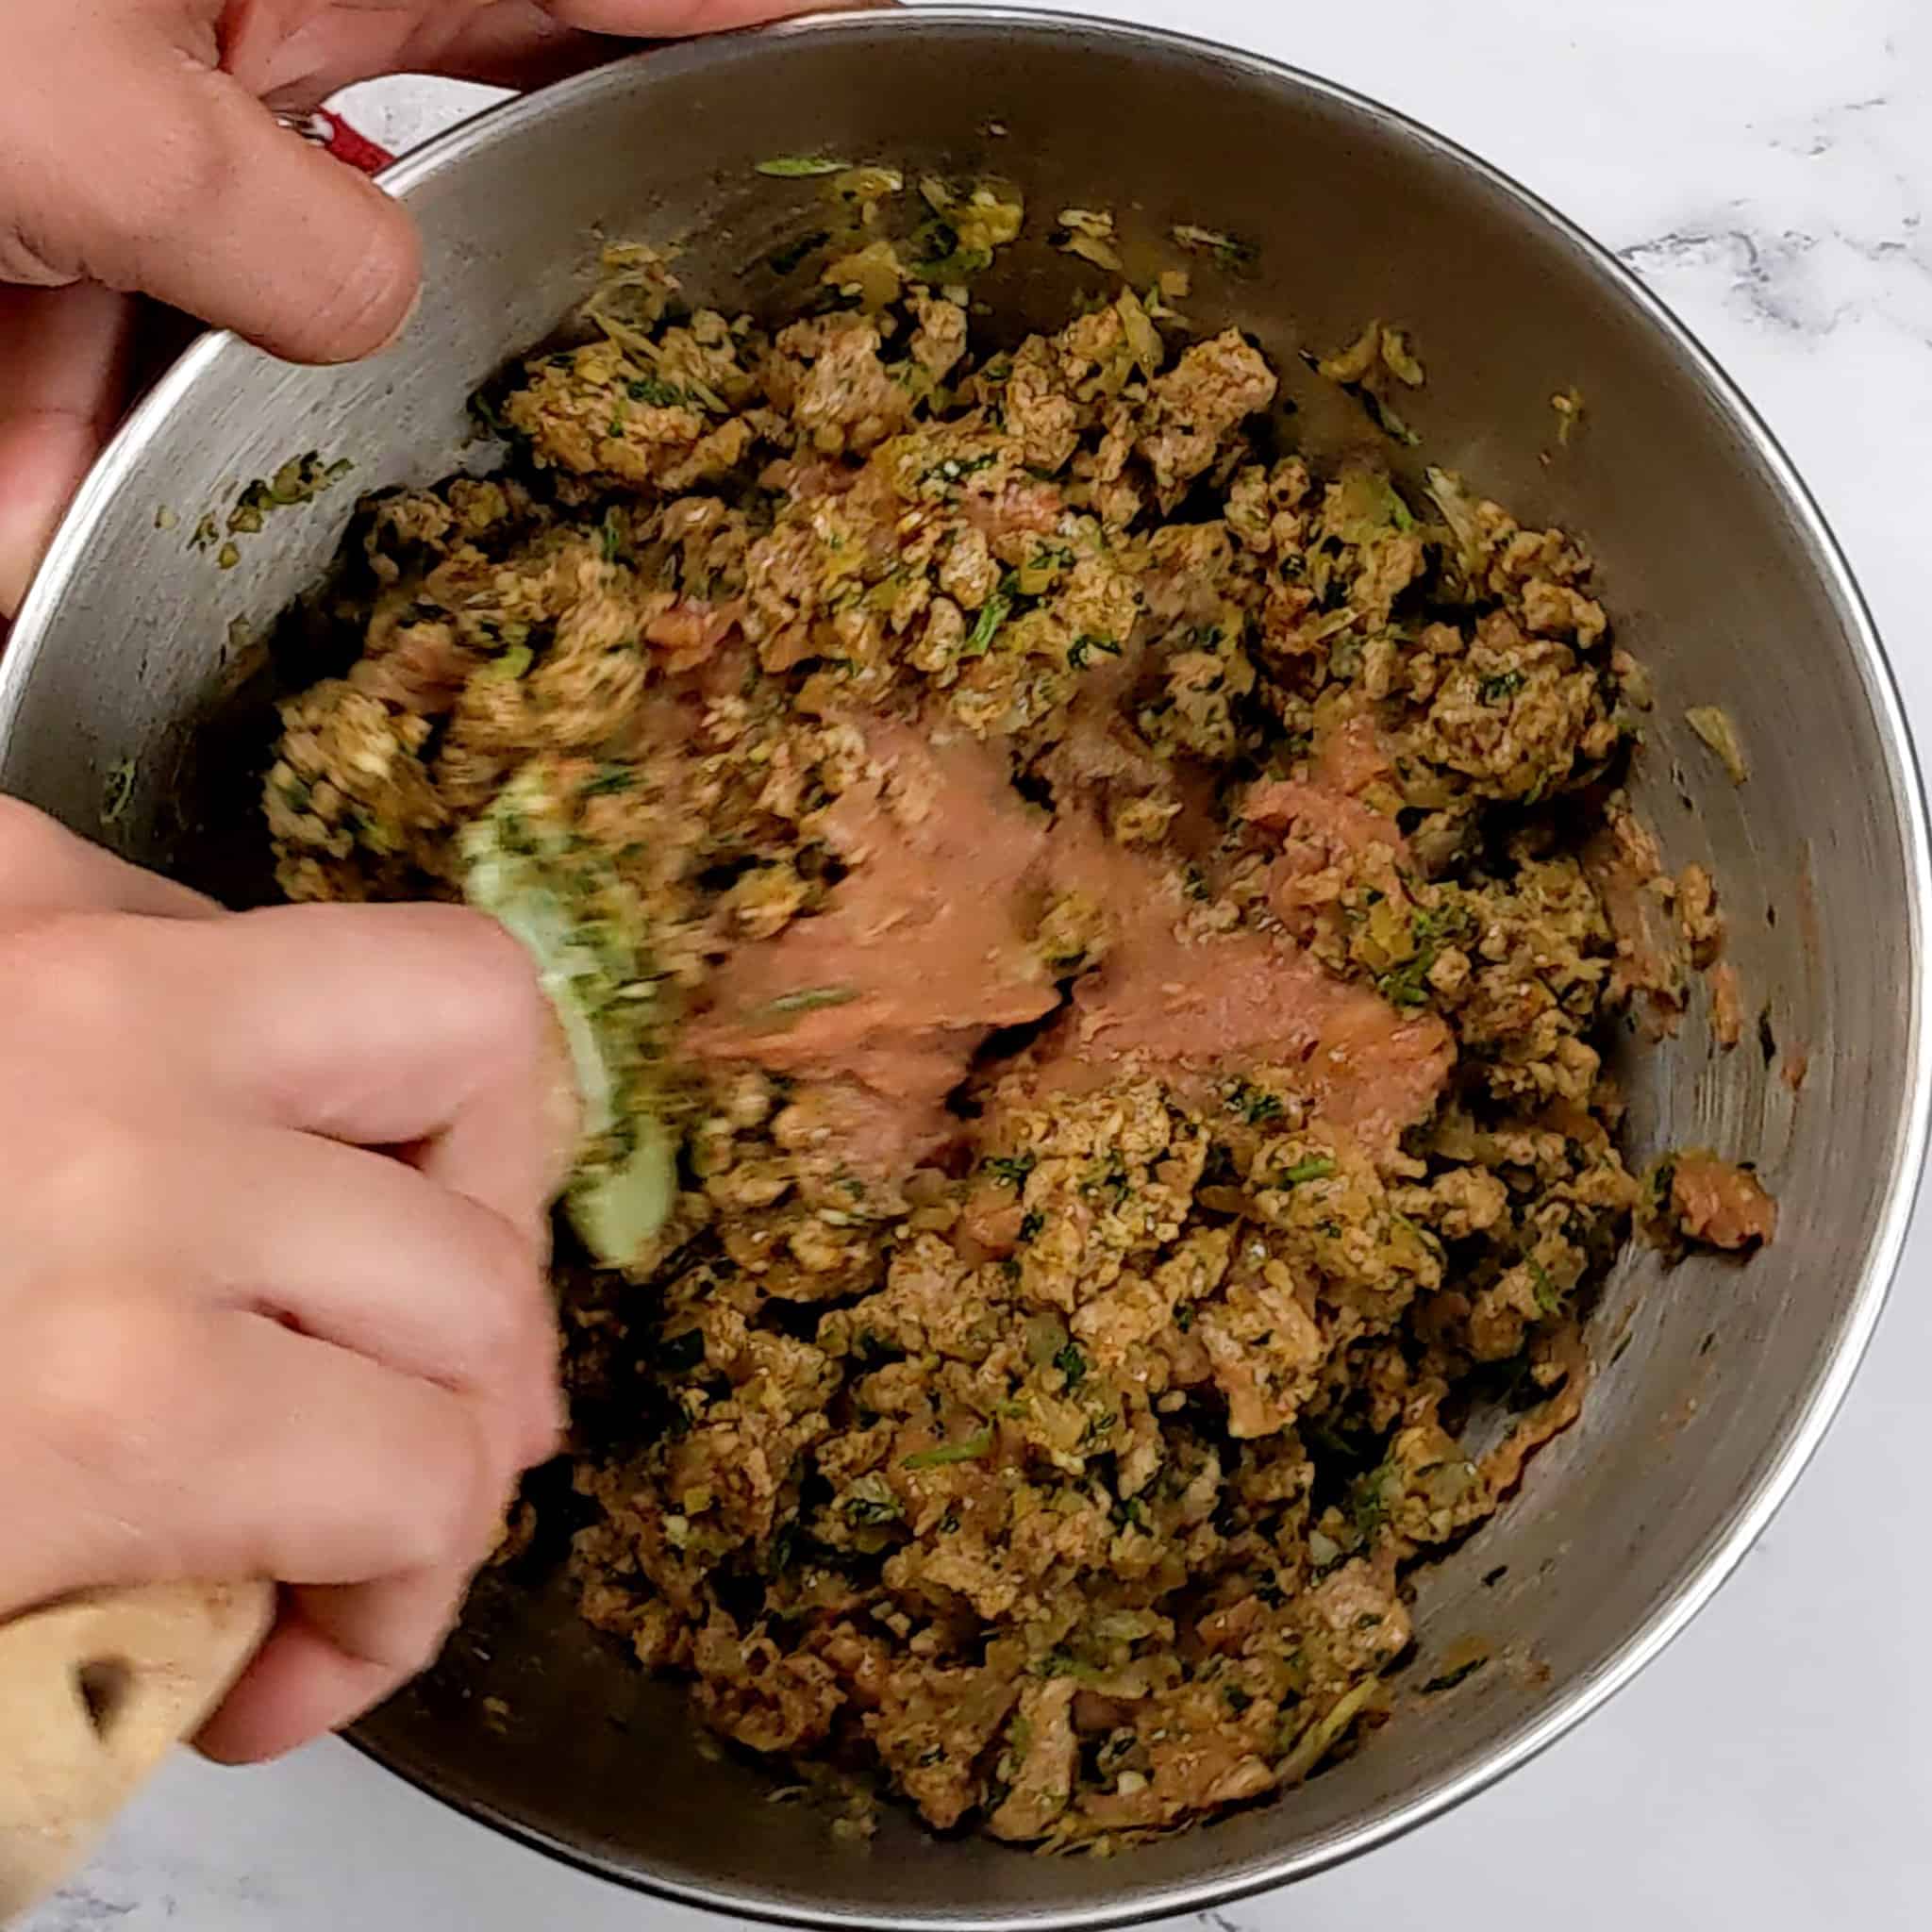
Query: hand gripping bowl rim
[[1804, 1430]]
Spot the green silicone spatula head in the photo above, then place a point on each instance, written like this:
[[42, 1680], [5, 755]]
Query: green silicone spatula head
[[525, 865]]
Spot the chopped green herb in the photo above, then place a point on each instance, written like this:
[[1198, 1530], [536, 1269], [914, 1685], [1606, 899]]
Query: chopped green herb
[[956, 468], [993, 615], [1060, 1663], [1231, 255], [1713, 725], [1317, 1168], [483, 408], [937, 257], [1253, 1104], [801, 167], [1010, 1169], [1109, 1176], [658, 395], [870, 1501], [1449, 1679], [971, 1450], [608, 779], [1071, 1364], [1368, 1498], [1549, 1297], [611, 536], [809, 999], [1085, 645], [1031, 1225], [117, 792], [783, 1546], [1385, 419], [1501, 688]]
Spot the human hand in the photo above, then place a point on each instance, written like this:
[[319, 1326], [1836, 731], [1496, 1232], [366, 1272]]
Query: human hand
[[272, 1298], [142, 156]]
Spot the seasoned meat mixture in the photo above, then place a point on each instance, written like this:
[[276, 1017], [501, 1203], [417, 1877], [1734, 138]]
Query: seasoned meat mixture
[[1127, 929]]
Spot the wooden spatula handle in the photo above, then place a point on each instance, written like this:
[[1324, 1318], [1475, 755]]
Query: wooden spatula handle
[[95, 1690]]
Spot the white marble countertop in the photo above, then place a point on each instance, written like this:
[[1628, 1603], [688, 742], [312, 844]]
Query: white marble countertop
[[1767, 165]]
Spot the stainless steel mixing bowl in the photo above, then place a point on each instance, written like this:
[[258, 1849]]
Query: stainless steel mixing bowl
[[1713, 1383]]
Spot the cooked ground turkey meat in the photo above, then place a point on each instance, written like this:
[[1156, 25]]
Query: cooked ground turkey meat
[[1138, 921]]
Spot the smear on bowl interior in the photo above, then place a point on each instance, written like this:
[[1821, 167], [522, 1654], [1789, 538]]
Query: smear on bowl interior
[[1113, 939]]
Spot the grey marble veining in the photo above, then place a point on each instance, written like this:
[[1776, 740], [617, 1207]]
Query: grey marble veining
[[1767, 166]]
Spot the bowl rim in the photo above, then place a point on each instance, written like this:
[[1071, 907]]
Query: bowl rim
[[1803, 1430]]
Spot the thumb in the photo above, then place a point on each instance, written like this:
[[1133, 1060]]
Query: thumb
[[229, 215]]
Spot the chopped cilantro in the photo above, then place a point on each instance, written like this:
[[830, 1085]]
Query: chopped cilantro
[[1109, 1177], [810, 999], [1031, 1225], [1450, 1678], [1549, 1297], [1010, 1169], [956, 468], [1071, 1364], [937, 257], [997, 609], [971, 1450], [607, 779], [1083, 648], [1253, 1104], [118, 791], [1368, 1498], [1060, 1663], [864, 1507], [801, 167], [657, 393], [1501, 688]]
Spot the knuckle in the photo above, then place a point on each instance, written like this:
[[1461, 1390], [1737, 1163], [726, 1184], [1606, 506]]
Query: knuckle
[[60, 981], [458, 1515], [503, 1334], [498, 982], [90, 1169], [108, 1368]]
